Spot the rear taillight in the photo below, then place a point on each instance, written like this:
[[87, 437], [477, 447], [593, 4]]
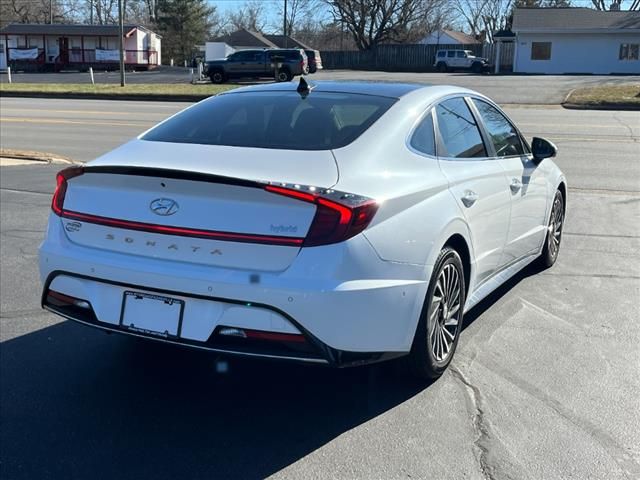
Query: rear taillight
[[339, 216], [57, 203]]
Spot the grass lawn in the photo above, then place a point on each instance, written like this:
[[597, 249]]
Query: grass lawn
[[613, 96], [146, 90]]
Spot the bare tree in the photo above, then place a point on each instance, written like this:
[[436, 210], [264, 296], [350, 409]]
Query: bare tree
[[250, 16], [486, 16], [39, 11], [372, 22], [614, 5], [297, 12]]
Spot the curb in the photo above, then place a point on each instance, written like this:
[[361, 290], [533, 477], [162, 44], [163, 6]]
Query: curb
[[33, 156], [601, 106], [107, 96]]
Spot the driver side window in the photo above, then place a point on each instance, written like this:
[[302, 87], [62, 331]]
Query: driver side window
[[504, 136]]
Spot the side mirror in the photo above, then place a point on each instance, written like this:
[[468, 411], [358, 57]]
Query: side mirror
[[542, 148]]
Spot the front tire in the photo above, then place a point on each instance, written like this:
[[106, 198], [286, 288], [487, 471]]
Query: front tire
[[441, 320], [476, 67], [554, 232]]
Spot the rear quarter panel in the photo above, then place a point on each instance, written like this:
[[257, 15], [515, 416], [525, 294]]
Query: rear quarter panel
[[417, 213]]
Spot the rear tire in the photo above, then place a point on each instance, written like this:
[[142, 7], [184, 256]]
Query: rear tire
[[442, 67], [217, 76], [554, 232], [284, 76], [441, 319]]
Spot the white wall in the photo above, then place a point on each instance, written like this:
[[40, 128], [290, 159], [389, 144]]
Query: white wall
[[576, 53], [216, 50]]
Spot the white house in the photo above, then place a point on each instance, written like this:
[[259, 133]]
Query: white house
[[449, 37], [576, 40], [60, 46]]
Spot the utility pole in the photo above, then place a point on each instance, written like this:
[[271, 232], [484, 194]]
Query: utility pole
[[91, 12], [50, 11], [121, 21], [284, 26]]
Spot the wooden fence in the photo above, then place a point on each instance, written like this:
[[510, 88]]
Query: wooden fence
[[409, 58]]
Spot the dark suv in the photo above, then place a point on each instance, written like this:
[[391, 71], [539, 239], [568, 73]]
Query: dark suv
[[259, 64]]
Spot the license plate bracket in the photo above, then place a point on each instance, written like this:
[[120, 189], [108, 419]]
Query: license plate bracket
[[152, 314]]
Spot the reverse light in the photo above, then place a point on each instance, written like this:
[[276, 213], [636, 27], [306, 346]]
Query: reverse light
[[63, 176], [339, 216]]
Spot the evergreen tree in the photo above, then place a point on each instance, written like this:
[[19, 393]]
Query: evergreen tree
[[183, 24]]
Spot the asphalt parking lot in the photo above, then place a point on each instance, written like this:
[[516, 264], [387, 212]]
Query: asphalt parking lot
[[544, 384], [504, 89]]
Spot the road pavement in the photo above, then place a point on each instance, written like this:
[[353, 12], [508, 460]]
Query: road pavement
[[595, 146], [517, 89], [544, 384]]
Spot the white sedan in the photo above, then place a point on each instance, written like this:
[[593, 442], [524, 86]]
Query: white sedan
[[340, 223]]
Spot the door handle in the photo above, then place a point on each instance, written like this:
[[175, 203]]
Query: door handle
[[515, 186], [469, 198]]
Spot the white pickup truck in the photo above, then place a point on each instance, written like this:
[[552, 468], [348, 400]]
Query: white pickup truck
[[449, 60]]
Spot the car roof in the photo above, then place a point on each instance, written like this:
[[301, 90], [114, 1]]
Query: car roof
[[381, 89]]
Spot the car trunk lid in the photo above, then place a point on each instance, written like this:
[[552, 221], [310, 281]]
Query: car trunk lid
[[193, 215]]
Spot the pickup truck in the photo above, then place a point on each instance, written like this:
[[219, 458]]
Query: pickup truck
[[258, 64]]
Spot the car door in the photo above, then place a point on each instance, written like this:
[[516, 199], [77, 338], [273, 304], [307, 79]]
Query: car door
[[476, 181], [451, 58], [528, 186], [240, 63], [461, 59]]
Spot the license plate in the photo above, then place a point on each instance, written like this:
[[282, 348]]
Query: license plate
[[152, 314]]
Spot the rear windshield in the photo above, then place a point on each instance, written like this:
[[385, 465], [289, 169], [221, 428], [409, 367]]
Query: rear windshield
[[282, 120]]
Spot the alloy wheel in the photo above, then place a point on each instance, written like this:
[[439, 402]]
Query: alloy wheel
[[445, 312], [555, 226]]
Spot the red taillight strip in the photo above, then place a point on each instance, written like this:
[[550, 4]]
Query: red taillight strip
[[274, 336], [61, 297], [184, 232]]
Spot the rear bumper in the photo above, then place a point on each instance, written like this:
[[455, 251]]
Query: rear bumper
[[351, 306], [311, 350]]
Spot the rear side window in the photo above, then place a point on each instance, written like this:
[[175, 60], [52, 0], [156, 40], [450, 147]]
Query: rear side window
[[503, 135], [459, 131], [281, 120], [423, 138], [441, 54], [451, 54]]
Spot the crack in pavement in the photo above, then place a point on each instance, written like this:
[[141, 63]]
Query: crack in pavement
[[629, 467], [591, 275], [603, 235], [479, 425], [627, 126]]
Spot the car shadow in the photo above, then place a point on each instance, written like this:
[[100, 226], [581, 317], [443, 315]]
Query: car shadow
[[472, 315], [78, 403]]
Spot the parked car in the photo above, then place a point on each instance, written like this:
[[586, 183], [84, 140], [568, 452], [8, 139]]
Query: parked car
[[314, 60], [258, 64], [449, 60], [348, 223]]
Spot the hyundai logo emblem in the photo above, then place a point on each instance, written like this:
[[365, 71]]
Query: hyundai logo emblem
[[164, 206]]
